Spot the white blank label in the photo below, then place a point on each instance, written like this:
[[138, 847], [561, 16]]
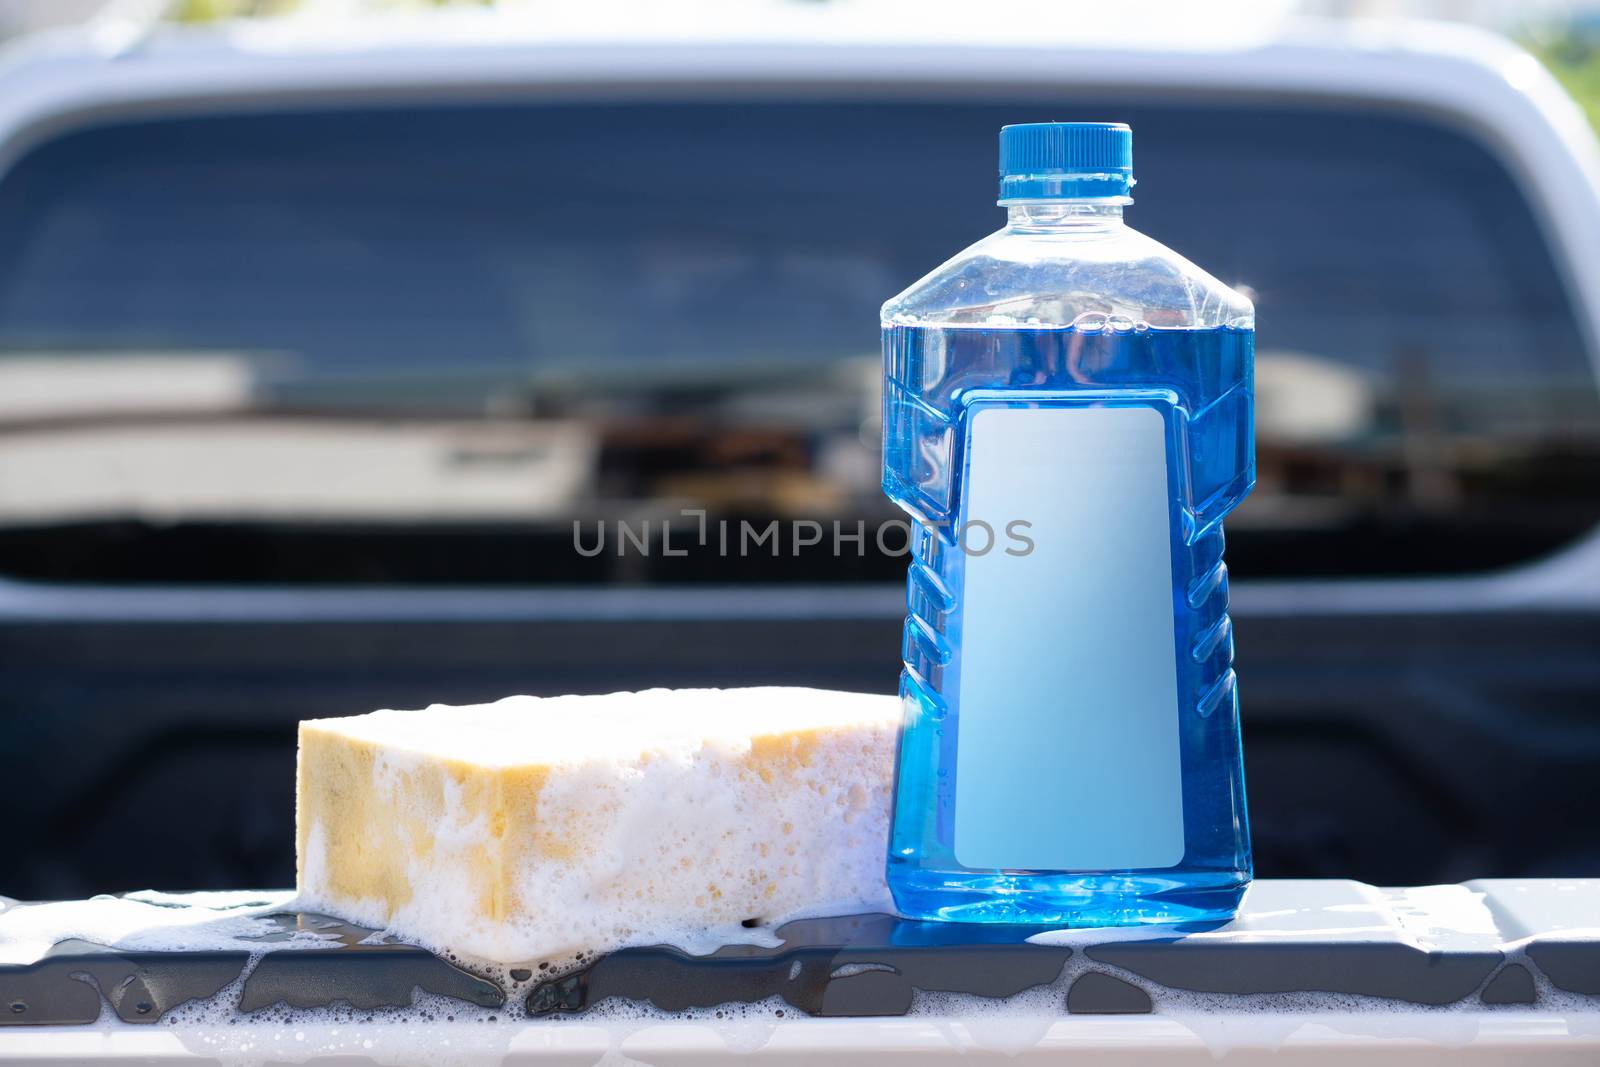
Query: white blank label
[[1067, 736]]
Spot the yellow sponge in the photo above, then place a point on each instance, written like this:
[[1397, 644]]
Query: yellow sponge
[[536, 828]]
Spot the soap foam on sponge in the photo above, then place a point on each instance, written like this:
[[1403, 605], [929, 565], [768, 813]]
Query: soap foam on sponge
[[538, 828]]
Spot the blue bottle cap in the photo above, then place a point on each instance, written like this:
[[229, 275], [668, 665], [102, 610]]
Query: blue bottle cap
[[1066, 161]]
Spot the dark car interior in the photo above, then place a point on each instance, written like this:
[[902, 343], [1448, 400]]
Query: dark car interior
[[285, 354]]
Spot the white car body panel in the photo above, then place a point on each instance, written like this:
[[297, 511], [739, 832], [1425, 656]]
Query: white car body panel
[[1459, 76]]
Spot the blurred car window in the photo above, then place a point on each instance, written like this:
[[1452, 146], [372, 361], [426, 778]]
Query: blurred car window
[[418, 344]]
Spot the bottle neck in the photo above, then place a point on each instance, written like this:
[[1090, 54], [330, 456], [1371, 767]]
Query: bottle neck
[[1063, 216]]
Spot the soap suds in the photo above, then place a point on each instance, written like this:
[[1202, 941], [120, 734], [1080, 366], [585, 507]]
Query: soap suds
[[538, 828], [176, 922], [438, 1029]]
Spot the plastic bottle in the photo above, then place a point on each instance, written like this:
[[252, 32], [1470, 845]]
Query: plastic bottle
[[1067, 418]]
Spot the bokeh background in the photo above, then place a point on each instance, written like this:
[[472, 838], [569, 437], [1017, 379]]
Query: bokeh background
[[302, 391]]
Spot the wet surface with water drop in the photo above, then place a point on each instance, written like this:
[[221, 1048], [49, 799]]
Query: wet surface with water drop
[[1479, 947]]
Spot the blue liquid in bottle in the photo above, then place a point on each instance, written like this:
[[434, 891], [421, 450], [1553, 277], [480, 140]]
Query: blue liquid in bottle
[[1067, 417]]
